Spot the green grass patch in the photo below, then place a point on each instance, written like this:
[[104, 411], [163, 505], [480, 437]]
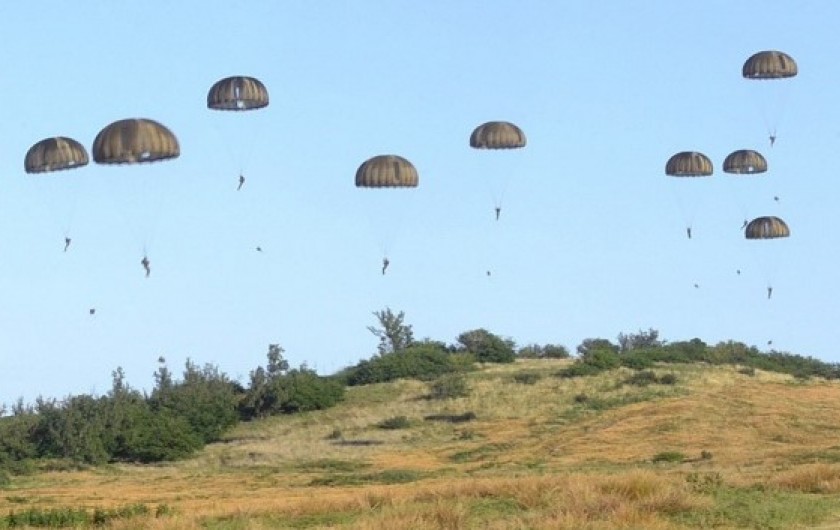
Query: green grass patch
[[754, 508], [480, 453], [669, 456], [389, 476], [316, 520], [330, 465]]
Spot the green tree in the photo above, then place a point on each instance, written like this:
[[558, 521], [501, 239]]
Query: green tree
[[487, 347], [641, 340], [589, 346], [393, 333]]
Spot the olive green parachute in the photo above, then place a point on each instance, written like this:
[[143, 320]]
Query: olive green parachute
[[497, 135], [134, 141], [386, 171], [237, 93], [689, 164], [766, 228], [769, 65], [745, 162], [55, 154]]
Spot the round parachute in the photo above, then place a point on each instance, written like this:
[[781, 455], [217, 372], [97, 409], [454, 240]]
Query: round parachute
[[134, 141], [745, 162], [689, 164], [55, 154], [386, 171], [766, 228], [237, 93], [769, 65], [497, 135]]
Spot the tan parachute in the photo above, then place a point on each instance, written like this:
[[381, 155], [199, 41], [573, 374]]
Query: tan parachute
[[55, 154], [745, 162], [497, 135], [386, 171], [134, 141], [237, 93], [689, 164], [769, 64], [770, 227]]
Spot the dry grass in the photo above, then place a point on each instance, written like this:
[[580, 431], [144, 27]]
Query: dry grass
[[532, 458]]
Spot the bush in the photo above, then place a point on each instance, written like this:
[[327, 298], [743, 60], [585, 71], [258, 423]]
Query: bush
[[449, 386], [423, 361], [527, 378], [487, 347], [644, 378], [669, 456], [395, 422], [668, 379]]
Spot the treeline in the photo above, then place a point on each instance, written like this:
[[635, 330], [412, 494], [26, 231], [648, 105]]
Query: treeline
[[174, 420], [179, 416], [643, 349]]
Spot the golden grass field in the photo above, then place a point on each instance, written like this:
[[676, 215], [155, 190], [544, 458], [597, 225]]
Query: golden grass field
[[719, 449]]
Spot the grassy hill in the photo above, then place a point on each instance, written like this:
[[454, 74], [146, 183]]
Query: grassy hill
[[703, 447]]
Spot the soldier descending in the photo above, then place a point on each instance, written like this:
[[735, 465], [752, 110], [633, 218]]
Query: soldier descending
[[241, 182], [385, 264], [66, 243], [146, 265]]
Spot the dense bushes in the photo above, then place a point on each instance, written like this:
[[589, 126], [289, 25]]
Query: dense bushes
[[423, 360]]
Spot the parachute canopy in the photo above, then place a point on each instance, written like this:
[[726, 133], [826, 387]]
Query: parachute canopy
[[55, 154], [134, 141], [745, 162], [237, 93], [497, 135], [769, 65], [386, 171], [766, 228], [689, 164]]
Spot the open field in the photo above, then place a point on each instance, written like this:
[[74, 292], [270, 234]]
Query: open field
[[717, 449]]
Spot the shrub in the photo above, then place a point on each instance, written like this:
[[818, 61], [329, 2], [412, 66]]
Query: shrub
[[527, 378], [668, 379], [669, 456], [487, 347], [644, 378], [395, 422], [423, 361], [449, 386]]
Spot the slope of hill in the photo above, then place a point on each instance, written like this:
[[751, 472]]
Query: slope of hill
[[703, 447]]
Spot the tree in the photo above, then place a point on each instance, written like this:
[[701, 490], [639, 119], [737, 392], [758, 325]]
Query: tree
[[487, 347], [547, 351], [393, 334], [640, 340], [589, 346]]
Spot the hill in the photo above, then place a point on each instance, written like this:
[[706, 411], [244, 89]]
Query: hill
[[679, 446]]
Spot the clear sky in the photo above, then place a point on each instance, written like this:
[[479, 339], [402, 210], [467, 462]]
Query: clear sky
[[591, 241]]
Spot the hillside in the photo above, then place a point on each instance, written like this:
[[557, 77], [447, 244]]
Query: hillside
[[717, 447]]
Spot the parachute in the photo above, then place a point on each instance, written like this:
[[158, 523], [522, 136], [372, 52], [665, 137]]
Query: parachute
[[58, 153], [237, 93], [234, 95], [770, 227], [386, 171], [497, 135], [745, 162], [55, 154], [137, 142], [741, 163], [762, 228], [688, 164], [383, 175], [134, 141], [770, 66]]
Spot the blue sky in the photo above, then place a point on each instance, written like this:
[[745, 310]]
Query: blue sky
[[591, 241]]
